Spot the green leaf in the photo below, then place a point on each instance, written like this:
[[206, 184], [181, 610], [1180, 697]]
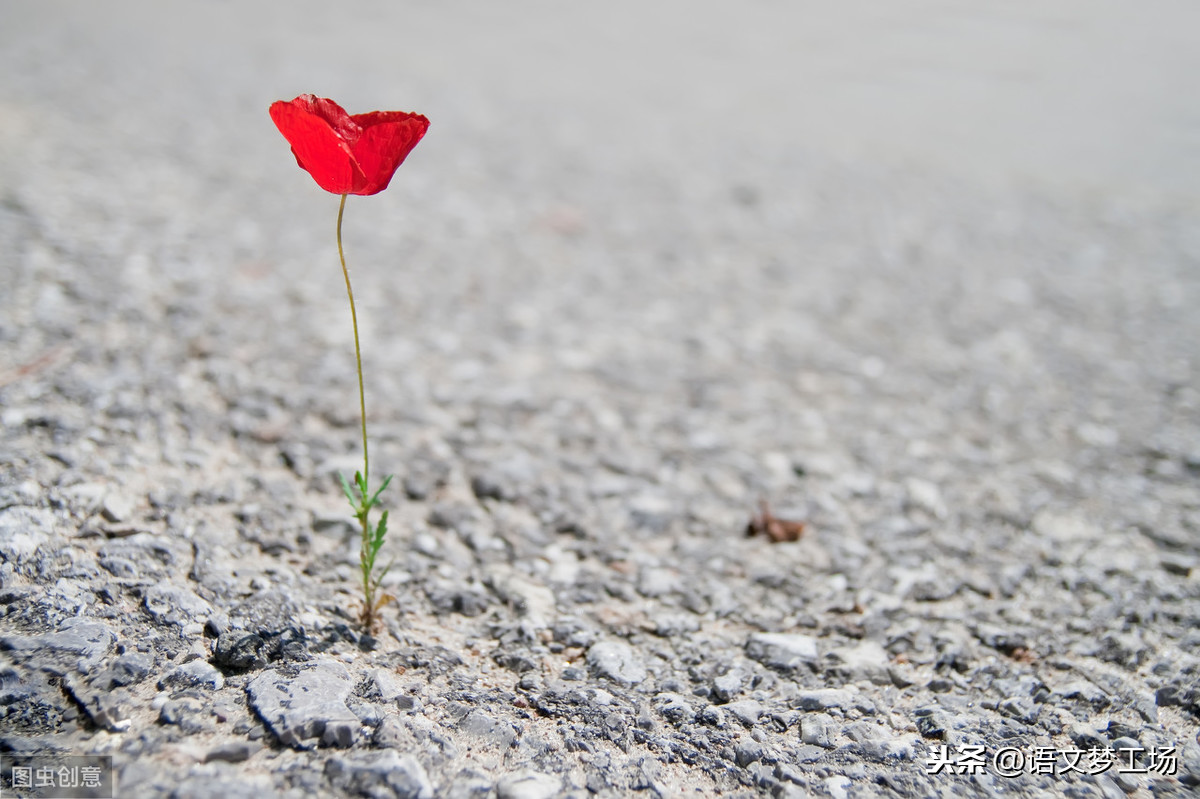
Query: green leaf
[[385, 571], [380, 532], [386, 481], [347, 490]]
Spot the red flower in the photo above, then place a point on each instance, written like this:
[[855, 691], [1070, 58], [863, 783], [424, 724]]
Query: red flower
[[347, 154]]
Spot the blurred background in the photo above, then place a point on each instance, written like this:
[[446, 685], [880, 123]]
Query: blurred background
[[1097, 95], [760, 176]]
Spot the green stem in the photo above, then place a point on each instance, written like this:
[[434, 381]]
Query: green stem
[[362, 394]]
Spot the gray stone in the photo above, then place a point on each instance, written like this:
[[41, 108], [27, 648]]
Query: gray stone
[[494, 732], [675, 708], [727, 686], [528, 785], [825, 698], [187, 713], [128, 669], [1085, 737], [651, 511], [117, 507], [656, 582], [1021, 708], [867, 661], [79, 641], [747, 711], [616, 661], [531, 599], [747, 751], [782, 651], [383, 774], [817, 729], [306, 708], [170, 604], [108, 709], [267, 612], [468, 784], [193, 674], [671, 625], [233, 752], [387, 687], [22, 531]]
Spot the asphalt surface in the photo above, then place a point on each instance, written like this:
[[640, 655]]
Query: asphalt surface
[[921, 275]]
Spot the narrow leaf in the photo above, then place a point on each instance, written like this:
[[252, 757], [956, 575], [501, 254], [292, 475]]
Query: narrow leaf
[[346, 489], [380, 532], [386, 481]]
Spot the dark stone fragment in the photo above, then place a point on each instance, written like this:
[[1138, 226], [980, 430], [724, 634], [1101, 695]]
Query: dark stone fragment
[[454, 599], [240, 650], [233, 752], [291, 645], [932, 723], [128, 669], [1086, 738], [518, 661], [489, 485]]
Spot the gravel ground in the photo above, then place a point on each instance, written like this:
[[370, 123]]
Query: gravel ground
[[644, 272]]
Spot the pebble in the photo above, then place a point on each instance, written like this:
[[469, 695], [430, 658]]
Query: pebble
[[22, 531], [838, 786], [528, 785], [494, 732], [469, 784], [233, 752], [386, 773], [727, 686], [747, 711], [866, 661], [747, 751], [128, 669], [824, 698], [782, 651], [616, 661], [193, 674], [531, 599], [307, 707], [656, 582], [817, 729], [675, 708], [117, 507], [240, 650], [170, 604], [80, 642]]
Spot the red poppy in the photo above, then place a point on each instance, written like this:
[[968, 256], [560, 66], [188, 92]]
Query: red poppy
[[347, 154]]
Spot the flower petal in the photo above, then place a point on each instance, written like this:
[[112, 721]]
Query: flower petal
[[321, 134], [386, 140]]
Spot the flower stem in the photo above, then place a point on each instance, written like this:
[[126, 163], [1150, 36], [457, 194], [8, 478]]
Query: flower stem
[[362, 394]]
